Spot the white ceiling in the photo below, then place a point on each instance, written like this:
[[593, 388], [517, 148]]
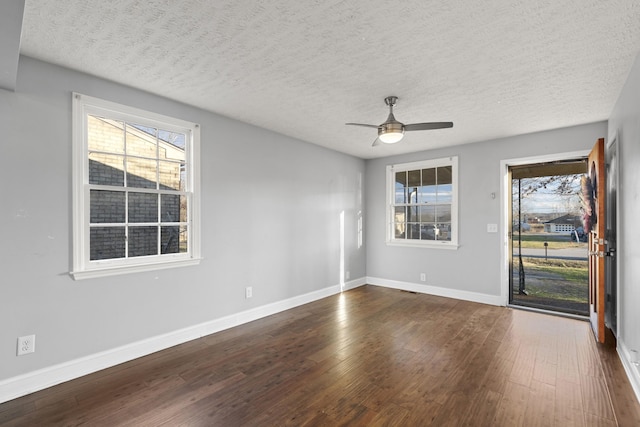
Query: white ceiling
[[305, 67]]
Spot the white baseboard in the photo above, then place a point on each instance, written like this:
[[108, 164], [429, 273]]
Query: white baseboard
[[632, 370], [435, 290], [30, 382]]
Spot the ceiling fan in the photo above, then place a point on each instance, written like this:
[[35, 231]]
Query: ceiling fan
[[392, 131]]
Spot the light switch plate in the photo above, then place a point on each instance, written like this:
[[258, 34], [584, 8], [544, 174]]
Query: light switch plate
[[492, 228]]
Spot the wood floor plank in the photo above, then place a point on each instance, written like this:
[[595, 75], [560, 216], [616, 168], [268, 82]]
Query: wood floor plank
[[513, 405], [16, 409], [595, 397], [566, 417], [568, 409], [625, 406], [454, 410], [567, 368], [595, 421], [424, 414], [540, 405], [570, 395], [545, 372], [390, 415], [369, 356], [522, 372], [482, 407], [497, 374]]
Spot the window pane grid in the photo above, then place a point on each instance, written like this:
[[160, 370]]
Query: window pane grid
[[421, 205], [135, 147], [166, 236], [126, 159]]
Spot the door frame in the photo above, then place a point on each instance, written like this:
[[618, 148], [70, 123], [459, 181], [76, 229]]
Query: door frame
[[610, 142], [505, 208]]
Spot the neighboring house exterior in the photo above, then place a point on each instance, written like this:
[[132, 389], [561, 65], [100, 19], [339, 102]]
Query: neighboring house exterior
[[123, 156], [565, 224]]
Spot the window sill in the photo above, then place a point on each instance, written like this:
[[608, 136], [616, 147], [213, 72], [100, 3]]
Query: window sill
[[424, 244], [133, 268]]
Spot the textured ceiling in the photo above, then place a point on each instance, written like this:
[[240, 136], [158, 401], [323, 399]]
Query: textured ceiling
[[303, 68]]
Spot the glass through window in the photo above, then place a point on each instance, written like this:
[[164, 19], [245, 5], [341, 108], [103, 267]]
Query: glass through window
[[423, 202]]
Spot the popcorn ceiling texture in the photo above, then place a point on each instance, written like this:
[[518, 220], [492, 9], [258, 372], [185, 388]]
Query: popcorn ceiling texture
[[303, 68]]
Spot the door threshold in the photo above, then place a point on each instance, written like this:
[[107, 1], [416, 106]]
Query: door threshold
[[551, 312]]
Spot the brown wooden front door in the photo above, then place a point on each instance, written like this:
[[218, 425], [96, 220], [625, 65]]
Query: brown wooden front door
[[597, 243]]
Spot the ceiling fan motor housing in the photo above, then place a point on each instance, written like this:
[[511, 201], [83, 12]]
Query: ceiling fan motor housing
[[391, 132]]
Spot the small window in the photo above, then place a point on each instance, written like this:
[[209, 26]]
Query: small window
[[423, 203], [136, 183]]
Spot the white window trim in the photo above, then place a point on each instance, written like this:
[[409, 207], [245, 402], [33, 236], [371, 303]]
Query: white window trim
[[83, 268], [390, 201]]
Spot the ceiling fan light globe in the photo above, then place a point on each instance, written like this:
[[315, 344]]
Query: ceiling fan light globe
[[392, 136]]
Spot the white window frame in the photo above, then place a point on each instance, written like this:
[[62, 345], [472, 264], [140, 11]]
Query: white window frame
[[83, 267], [390, 203]]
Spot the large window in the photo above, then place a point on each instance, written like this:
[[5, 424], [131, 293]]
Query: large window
[[422, 203], [135, 189]]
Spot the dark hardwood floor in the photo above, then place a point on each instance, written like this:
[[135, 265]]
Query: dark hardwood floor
[[371, 356]]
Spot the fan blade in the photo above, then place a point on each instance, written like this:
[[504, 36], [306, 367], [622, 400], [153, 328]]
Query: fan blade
[[376, 142], [362, 124], [428, 126]]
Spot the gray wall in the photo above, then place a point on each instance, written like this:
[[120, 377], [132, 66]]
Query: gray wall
[[476, 265], [625, 121], [271, 210]]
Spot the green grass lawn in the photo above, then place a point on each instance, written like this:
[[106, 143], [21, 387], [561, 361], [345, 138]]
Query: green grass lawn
[[573, 271], [557, 279]]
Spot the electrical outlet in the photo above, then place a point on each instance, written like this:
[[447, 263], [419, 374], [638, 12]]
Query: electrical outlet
[[248, 292], [348, 274], [26, 344], [423, 277]]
